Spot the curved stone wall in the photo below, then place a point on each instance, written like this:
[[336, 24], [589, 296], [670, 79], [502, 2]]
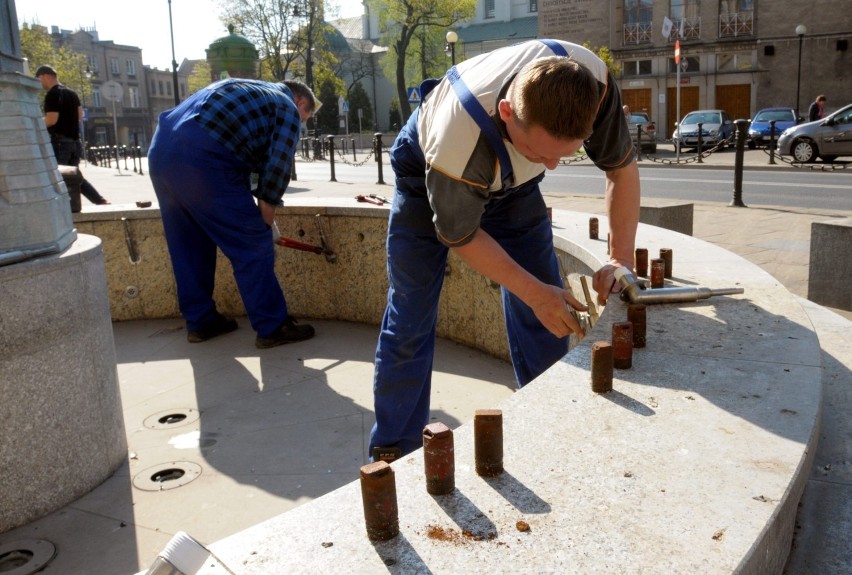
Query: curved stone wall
[[63, 432]]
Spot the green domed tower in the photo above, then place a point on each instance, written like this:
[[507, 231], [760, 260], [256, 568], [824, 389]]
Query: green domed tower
[[232, 56]]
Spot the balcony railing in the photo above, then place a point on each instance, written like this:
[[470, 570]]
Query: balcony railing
[[691, 29], [738, 24], [640, 33]]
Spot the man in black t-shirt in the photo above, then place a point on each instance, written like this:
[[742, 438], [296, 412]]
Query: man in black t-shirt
[[62, 115]]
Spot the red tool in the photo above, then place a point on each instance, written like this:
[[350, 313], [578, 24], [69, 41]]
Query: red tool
[[369, 199], [288, 243]]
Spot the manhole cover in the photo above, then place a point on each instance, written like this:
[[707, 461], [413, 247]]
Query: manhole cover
[[166, 476], [25, 556], [172, 418]]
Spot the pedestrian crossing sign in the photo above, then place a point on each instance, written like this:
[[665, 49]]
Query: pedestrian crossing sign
[[413, 95]]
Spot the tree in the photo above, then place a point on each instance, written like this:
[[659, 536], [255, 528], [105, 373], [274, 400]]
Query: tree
[[37, 47], [359, 100], [402, 21], [328, 89], [394, 115], [604, 54], [200, 76]]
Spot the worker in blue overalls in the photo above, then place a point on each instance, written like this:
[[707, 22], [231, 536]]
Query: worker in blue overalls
[[468, 165]]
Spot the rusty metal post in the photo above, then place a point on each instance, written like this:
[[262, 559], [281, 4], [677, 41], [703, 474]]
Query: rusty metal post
[[641, 258], [593, 228], [488, 442], [666, 256], [700, 141], [658, 273], [601, 367], [439, 459], [742, 132], [377, 146], [622, 345], [378, 492], [636, 314]]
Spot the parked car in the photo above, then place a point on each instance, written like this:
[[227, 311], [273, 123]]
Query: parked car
[[716, 128], [649, 131], [826, 138], [759, 131]]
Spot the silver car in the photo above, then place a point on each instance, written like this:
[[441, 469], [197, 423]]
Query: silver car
[[826, 138], [716, 128]]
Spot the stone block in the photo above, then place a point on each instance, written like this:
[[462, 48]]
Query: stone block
[[831, 264], [669, 215]]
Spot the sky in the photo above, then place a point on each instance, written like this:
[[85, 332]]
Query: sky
[[144, 23]]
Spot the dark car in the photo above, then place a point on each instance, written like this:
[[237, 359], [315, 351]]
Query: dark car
[[759, 131], [826, 138], [716, 129], [649, 131]]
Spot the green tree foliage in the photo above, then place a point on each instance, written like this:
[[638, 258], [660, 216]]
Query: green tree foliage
[[360, 100], [403, 22], [37, 47], [604, 54], [394, 115], [200, 76], [328, 88]]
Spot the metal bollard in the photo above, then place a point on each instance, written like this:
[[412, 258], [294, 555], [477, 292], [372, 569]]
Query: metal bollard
[[601, 367], [354, 158], [638, 142], [666, 256], [772, 142], [593, 228], [641, 258], [742, 132], [330, 139], [658, 273], [378, 493], [636, 315], [377, 146], [488, 442], [439, 459], [139, 151], [622, 345], [700, 142]]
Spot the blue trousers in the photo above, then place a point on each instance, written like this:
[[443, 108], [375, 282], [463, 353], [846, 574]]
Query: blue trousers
[[416, 260], [205, 201]]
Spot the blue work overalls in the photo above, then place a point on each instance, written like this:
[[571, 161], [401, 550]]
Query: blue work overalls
[[517, 220]]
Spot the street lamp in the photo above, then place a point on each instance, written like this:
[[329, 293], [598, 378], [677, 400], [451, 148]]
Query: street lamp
[[174, 61], [452, 38], [88, 75], [801, 30]]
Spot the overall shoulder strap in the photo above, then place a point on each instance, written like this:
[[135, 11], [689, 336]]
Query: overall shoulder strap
[[485, 123]]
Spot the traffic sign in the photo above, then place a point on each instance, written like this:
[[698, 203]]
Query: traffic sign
[[112, 91], [414, 95]]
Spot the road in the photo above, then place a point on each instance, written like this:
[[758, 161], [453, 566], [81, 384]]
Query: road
[[799, 188]]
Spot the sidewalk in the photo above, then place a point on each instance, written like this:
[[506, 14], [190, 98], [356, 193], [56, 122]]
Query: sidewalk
[[266, 453]]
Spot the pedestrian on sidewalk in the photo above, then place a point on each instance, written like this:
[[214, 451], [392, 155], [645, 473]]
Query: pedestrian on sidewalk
[[468, 165], [62, 116], [816, 111], [200, 161]]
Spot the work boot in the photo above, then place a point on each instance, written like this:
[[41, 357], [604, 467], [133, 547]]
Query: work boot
[[288, 332], [220, 325]]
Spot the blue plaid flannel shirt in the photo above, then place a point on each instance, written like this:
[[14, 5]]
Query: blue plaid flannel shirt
[[260, 124]]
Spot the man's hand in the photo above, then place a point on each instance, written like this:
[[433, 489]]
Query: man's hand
[[604, 282], [550, 304], [267, 212]]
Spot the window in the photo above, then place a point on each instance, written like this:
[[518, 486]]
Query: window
[[733, 62], [131, 67], [153, 86], [638, 25], [114, 66], [736, 18], [685, 15], [162, 90], [533, 6], [489, 8], [168, 88], [92, 63], [688, 65], [133, 97], [96, 98], [637, 68]]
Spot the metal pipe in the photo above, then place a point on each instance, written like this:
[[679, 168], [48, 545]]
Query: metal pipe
[[634, 291]]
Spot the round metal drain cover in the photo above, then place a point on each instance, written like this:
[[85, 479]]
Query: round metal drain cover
[[172, 418], [166, 476], [25, 556]]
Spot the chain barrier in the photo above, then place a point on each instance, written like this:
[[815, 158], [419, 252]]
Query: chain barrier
[[341, 156], [832, 167], [573, 160]]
